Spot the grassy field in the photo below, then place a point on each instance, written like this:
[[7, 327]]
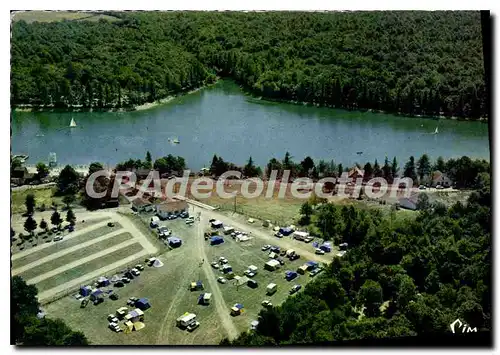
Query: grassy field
[[43, 196], [76, 255], [167, 290], [88, 267], [54, 248], [53, 16]]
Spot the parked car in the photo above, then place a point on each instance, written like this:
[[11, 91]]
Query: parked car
[[111, 224], [439, 187], [308, 239], [221, 280], [278, 235], [215, 265], [98, 301], [294, 257], [139, 267], [295, 288], [125, 280], [422, 187], [281, 261], [267, 303], [315, 272], [265, 247], [58, 238], [114, 296], [135, 272], [193, 326], [319, 251], [249, 273], [112, 319]]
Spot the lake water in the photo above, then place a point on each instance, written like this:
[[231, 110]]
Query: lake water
[[223, 120]]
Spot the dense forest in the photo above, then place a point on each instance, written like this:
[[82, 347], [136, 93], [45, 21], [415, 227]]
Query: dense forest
[[399, 278], [415, 63]]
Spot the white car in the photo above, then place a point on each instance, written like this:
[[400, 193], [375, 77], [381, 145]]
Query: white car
[[249, 273], [135, 272], [215, 265], [221, 280], [319, 251], [58, 238], [265, 247]]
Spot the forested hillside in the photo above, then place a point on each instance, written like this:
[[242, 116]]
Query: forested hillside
[[409, 62], [399, 278]]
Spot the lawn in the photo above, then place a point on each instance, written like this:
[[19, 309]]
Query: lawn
[[54, 16], [76, 255], [167, 290], [43, 196], [58, 246], [83, 269]]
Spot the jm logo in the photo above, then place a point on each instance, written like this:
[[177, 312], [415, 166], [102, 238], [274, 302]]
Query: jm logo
[[465, 327]]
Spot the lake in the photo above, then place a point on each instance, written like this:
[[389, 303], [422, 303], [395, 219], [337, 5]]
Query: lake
[[222, 120]]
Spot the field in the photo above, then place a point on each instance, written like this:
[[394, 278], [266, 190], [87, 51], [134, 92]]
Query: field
[[167, 288], [53, 16], [43, 196], [94, 249]]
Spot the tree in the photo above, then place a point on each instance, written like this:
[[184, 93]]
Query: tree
[[394, 167], [423, 201], [68, 200], [306, 211], [95, 167], [307, 165], [148, 164], [55, 219], [440, 165], [387, 170], [70, 217], [30, 204], [424, 166], [67, 182], [42, 170], [249, 170], [43, 225], [24, 305], [30, 225], [409, 169], [368, 171], [377, 172], [371, 296]]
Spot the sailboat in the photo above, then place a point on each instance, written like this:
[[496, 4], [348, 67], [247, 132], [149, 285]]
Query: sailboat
[[72, 123], [436, 131]]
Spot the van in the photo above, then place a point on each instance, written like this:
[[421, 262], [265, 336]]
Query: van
[[271, 288]]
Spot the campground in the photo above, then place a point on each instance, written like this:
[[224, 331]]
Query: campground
[[167, 287]]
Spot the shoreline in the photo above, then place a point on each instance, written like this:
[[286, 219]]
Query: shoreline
[[81, 108]]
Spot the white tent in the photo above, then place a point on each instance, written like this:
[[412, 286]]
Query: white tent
[[115, 278], [157, 263], [241, 280]]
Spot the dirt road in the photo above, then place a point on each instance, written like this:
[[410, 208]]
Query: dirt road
[[300, 248], [220, 304]]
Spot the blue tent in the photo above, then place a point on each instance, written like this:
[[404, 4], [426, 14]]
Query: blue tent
[[290, 275], [239, 305], [215, 240], [85, 291], [174, 242], [143, 304], [286, 231], [96, 294], [315, 244]]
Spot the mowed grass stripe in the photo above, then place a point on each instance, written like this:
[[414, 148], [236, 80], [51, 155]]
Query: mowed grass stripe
[[61, 245], [83, 269], [79, 254]]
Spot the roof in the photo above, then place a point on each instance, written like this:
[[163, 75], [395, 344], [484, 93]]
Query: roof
[[171, 206], [97, 292], [174, 240], [217, 222], [140, 202], [271, 285], [303, 234], [356, 170], [216, 237], [143, 301], [238, 305], [273, 262]]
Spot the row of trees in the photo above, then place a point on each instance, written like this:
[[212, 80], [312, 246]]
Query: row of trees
[[399, 278], [428, 63], [30, 330]]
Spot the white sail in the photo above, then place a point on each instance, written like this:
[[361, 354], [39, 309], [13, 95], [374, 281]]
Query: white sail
[[436, 131], [73, 123]]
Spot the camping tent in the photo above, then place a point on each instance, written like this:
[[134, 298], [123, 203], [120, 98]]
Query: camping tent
[[272, 265], [103, 281], [215, 240], [286, 231], [96, 294], [241, 280], [133, 326], [157, 263], [115, 278], [135, 315], [143, 304], [85, 291], [242, 238], [174, 242], [253, 268]]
